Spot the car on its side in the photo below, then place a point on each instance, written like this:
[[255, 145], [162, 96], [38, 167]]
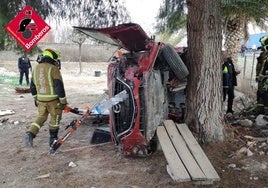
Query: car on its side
[[149, 72]]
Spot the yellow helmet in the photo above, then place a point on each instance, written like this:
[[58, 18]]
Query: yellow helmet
[[53, 54], [264, 40]]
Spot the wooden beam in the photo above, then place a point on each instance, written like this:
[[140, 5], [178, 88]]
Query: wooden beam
[[179, 173], [183, 152], [198, 153]]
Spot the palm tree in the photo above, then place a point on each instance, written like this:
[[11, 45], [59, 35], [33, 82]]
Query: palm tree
[[236, 16]]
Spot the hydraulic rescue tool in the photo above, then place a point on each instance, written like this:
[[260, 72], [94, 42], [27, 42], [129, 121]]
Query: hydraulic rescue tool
[[100, 107]]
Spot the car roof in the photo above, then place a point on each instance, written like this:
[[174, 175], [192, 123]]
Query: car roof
[[129, 36]]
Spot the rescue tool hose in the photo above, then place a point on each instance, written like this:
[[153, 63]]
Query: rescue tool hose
[[71, 128]]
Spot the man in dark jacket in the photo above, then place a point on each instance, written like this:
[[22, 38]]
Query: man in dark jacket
[[24, 65], [49, 95], [229, 82]]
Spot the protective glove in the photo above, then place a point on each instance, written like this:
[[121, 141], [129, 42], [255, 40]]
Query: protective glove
[[260, 77], [63, 106], [265, 87], [237, 72]]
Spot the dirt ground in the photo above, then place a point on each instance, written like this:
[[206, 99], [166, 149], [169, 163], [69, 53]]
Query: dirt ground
[[102, 166]]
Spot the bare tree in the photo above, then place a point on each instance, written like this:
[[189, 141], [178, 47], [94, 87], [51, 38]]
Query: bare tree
[[204, 93], [78, 38]]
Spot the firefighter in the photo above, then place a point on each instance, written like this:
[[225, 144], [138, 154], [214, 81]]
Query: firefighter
[[48, 92], [229, 83], [24, 64], [262, 77]]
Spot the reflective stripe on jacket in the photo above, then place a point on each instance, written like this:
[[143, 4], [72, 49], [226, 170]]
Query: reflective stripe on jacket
[[229, 74], [47, 84]]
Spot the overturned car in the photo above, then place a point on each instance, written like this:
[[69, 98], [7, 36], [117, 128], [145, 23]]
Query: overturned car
[[147, 71]]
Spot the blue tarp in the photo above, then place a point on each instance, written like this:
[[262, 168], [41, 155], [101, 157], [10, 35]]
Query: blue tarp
[[254, 40]]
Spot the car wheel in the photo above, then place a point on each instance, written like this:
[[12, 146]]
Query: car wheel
[[170, 56]]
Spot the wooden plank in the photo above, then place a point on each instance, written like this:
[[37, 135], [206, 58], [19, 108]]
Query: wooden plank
[[178, 170], [183, 152], [198, 153]]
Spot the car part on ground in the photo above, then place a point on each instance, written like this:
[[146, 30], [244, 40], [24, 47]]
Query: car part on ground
[[22, 90]]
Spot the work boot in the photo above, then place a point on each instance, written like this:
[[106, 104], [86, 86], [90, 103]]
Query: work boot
[[53, 136], [29, 139]]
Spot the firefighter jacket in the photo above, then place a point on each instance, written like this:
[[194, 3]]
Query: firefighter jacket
[[262, 67], [46, 84], [229, 74]]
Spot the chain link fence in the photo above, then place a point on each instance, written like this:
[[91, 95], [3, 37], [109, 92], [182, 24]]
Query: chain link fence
[[247, 65]]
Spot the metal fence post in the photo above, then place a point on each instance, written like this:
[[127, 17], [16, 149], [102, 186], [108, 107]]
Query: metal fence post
[[245, 62], [253, 62]]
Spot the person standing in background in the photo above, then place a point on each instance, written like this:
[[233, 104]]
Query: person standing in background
[[24, 64], [229, 83]]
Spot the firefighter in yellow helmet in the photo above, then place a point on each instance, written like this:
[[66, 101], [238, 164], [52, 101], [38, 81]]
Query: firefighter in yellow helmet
[[48, 91]]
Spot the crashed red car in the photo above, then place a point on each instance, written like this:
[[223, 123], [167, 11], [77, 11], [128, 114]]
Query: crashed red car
[[146, 70]]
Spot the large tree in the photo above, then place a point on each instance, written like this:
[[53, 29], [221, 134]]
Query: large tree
[[204, 96], [94, 13], [204, 34], [171, 16]]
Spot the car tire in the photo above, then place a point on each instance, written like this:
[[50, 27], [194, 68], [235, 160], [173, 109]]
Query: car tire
[[170, 56]]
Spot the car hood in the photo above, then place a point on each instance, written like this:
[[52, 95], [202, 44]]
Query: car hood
[[129, 36]]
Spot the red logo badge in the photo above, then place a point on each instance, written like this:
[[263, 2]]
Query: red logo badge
[[27, 28]]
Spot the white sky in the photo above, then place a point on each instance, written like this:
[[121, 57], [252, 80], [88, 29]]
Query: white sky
[[143, 12]]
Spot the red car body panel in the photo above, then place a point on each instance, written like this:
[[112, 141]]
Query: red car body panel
[[135, 138], [146, 62], [131, 128], [129, 36]]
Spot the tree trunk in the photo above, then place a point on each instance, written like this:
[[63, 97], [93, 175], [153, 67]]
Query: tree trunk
[[204, 89]]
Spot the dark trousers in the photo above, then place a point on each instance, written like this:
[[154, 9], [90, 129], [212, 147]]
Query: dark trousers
[[264, 100], [26, 72], [230, 93]]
